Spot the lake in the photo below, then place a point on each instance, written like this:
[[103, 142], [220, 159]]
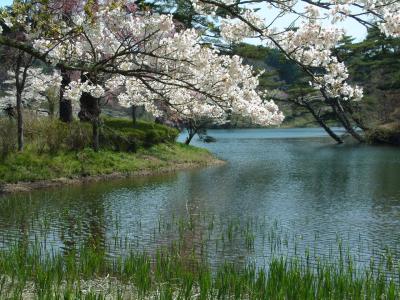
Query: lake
[[291, 189]]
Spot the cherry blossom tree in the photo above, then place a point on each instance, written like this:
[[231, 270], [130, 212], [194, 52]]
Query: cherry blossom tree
[[34, 94], [309, 41], [27, 89], [157, 64]]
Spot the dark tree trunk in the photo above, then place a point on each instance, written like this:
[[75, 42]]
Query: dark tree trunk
[[90, 112], [20, 123], [90, 108], [189, 139], [323, 125], [134, 115], [65, 104], [65, 110], [358, 120], [344, 120], [192, 132], [346, 123], [96, 135], [20, 80]]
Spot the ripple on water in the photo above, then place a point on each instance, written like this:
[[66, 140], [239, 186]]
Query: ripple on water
[[296, 188]]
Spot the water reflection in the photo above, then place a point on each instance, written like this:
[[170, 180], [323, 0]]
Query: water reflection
[[314, 189]]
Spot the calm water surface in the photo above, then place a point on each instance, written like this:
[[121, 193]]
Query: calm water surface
[[293, 184]]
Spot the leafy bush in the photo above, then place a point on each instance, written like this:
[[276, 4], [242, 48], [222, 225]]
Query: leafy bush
[[52, 135], [385, 134], [48, 135], [123, 135], [79, 136], [117, 141], [8, 133]]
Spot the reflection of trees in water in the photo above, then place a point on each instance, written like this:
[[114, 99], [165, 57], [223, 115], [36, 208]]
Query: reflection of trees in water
[[69, 233], [350, 190], [61, 215], [317, 186], [197, 213], [23, 218], [385, 200], [95, 216], [70, 217], [83, 222], [23, 231]]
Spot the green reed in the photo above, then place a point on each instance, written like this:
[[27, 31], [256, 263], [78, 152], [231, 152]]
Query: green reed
[[181, 269], [169, 275]]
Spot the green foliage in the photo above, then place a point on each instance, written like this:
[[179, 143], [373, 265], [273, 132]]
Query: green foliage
[[55, 149], [8, 133], [123, 135], [251, 51], [385, 134], [177, 271], [374, 64], [33, 166], [48, 135], [187, 17]]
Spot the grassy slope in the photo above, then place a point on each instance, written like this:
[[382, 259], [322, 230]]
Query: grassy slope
[[30, 166]]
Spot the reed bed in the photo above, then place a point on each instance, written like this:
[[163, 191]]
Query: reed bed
[[184, 267]]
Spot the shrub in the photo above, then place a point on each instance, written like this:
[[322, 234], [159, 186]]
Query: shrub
[[8, 133], [153, 137], [120, 141], [123, 135], [385, 134], [79, 136], [52, 135], [48, 135]]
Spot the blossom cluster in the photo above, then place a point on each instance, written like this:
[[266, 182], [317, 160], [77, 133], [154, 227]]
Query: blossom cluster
[[145, 60], [387, 10], [75, 90], [236, 31], [154, 65], [34, 93], [310, 43], [311, 46]]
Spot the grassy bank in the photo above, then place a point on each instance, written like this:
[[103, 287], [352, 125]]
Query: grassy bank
[[30, 166], [57, 150]]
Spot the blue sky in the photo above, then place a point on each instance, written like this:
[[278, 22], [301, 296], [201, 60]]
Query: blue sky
[[5, 2], [352, 28]]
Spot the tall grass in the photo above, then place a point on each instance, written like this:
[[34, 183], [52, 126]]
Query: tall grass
[[183, 270]]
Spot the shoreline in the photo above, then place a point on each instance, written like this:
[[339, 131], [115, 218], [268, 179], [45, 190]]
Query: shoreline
[[26, 186]]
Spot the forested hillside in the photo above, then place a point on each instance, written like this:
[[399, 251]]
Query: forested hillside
[[374, 64]]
